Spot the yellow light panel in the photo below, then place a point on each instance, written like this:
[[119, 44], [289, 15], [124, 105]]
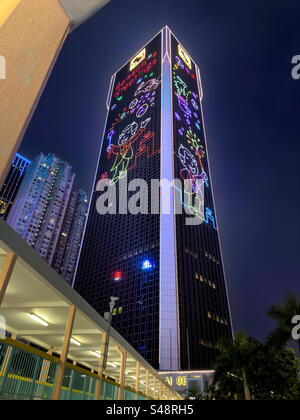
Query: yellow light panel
[[138, 59], [185, 57]]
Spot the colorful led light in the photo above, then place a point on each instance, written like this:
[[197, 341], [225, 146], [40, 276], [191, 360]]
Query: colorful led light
[[195, 105], [142, 111], [185, 57], [118, 276], [179, 62], [147, 265], [177, 116]]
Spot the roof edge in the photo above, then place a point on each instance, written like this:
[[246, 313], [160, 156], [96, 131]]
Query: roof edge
[[79, 11]]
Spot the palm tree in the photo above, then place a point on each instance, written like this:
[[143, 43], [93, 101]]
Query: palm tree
[[283, 315], [234, 360]]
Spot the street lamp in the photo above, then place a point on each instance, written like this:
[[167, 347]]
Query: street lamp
[[108, 317]]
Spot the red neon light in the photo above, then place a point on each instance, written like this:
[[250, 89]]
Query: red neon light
[[134, 76], [118, 276]]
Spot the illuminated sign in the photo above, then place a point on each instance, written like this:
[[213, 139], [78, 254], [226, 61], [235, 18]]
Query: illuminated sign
[[181, 381], [178, 380], [185, 57], [137, 59]]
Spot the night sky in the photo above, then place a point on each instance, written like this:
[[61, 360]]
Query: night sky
[[252, 115]]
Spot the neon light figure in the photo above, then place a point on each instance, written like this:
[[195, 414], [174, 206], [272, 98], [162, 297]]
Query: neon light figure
[[184, 107], [149, 86], [205, 179], [193, 140], [147, 146], [109, 138], [180, 86], [124, 152], [129, 132], [142, 110], [133, 103], [103, 178], [145, 123], [179, 62], [195, 105], [193, 189], [210, 218]]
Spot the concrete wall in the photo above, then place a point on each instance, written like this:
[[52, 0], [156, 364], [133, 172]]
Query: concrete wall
[[32, 33]]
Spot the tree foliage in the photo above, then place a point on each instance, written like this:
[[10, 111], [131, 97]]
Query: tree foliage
[[267, 371]]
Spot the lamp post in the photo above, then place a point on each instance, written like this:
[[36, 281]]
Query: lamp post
[[108, 317]]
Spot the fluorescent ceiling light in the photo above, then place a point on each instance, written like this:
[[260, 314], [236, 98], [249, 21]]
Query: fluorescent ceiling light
[[97, 354], [39, 320], [73, 341], [113, 364]]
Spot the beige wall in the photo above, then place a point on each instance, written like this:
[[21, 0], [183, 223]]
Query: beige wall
[[31, 35]]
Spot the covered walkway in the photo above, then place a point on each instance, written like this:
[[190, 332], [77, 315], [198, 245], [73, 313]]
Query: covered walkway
[[56, 344]]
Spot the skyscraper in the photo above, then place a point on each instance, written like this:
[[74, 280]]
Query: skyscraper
[[46, 210], [74, 236], [163, 259], [12, 184]]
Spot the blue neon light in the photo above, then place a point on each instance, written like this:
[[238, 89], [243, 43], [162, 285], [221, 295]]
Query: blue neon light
[[147, 265]]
